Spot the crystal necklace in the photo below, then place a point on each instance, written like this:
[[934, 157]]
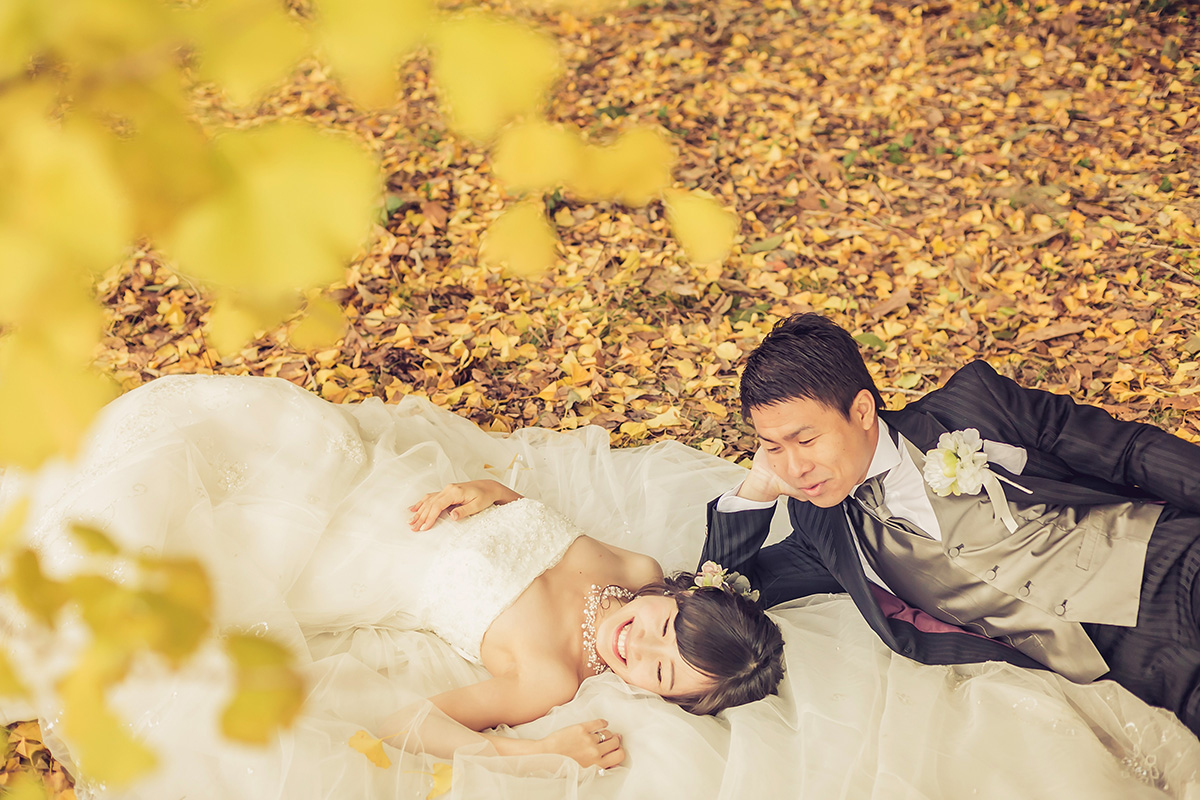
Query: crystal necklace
[[596, 597]]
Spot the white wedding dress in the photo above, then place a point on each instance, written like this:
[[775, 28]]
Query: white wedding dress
[[298, 508]]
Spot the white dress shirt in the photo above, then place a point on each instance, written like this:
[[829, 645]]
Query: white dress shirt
[[903, 490]]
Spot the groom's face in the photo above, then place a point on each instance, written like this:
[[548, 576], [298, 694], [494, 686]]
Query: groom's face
[[817, 450]]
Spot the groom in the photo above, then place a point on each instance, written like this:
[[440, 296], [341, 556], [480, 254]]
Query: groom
[[1072, 543]]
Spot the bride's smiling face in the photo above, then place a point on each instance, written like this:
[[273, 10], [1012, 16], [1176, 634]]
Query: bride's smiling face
[[637, 641]]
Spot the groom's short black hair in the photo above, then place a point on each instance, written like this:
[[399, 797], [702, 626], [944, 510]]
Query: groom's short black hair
[[806, 356]]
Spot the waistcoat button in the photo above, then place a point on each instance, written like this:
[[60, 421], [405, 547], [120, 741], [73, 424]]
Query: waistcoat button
[[1024, 590], [990, 575], [1061, 608], [954, 551]]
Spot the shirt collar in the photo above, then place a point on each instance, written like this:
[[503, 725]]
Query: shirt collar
[[887, 455]]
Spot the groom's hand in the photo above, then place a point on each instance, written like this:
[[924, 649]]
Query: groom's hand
[[459, 500], [762, 484]]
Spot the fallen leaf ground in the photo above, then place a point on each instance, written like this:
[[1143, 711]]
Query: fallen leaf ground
[[950, 180]]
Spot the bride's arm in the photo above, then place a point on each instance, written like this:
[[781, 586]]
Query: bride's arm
[[458, 718], [459, 500]]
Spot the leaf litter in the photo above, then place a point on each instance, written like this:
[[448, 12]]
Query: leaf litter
[[950, 180]]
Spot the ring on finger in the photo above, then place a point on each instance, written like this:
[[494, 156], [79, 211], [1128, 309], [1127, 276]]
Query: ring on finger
[[603, 737]]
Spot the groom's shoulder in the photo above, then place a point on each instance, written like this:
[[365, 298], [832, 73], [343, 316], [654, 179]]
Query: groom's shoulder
[[969, 379], [978, 370], [973, 390], [976, 379]]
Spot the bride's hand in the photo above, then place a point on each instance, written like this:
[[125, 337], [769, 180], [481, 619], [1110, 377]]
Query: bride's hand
[[583, 742], [459, 500]]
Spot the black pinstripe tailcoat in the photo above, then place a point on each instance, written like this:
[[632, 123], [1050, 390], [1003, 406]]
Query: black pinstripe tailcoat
[[1078, 456]]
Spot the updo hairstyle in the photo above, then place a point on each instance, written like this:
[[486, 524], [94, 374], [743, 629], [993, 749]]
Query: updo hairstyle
[[725, 636]]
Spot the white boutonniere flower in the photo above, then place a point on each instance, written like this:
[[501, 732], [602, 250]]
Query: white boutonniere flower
[[958, 465]]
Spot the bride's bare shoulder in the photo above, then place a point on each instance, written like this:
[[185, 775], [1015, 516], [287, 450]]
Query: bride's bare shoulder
[[607, 562], [645, 569], [638, 568]]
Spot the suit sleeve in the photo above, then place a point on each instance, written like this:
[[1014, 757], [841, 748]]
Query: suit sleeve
[[781, 572], [1086, 439]]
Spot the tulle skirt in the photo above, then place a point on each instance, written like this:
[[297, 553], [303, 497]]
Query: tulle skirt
[[293, 505]]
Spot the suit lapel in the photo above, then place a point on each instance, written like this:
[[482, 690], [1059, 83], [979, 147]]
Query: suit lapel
[[828, 530], [923, 430]]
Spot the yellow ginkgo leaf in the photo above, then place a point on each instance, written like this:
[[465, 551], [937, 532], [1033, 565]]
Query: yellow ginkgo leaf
[[27, 267], [13, 521], [49, 167], [61, 321], [644, 159], [40, 596], [269, 692], [364, 40], [728, 351], [579, 9], [179, 631], [26, 786], [235, 318], [231, 325], [490, 70], [10, 682], [100, 741], [132, 619], [321, 327], [94, 32], [536, 156], [20, 34], [47, 397], [703, 227], [184, 580], [178, 595], [164, 156], [634, 430], [257, 652], [520, 240], [295, 207], [244, 45], [115, 613], [93, 539], [372, 748], [255, 716], [666, 419], [633, 170], [443, 776]]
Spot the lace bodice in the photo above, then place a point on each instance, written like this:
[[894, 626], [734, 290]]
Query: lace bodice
[[483, 565]]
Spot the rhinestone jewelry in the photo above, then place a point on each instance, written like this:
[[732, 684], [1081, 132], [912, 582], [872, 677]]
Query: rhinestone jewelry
[[596, 597]]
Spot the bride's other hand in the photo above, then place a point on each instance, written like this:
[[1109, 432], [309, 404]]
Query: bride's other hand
[[459, 500], [588, 743]]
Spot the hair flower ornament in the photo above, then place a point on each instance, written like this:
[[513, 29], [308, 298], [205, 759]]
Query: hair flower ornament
[[958, 465], [713, 575]]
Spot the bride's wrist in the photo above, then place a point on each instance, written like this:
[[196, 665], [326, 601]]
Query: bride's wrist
[[513, 746], [502, 494]]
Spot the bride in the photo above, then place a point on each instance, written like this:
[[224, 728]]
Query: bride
[[704, 647], [302, 512]]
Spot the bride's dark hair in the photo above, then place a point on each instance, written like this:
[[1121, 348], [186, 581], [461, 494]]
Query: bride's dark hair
[[725, 636]]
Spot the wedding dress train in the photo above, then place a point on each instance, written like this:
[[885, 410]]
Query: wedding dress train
[[298, 509]]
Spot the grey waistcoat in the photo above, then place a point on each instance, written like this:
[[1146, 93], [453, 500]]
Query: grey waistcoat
[[1031, 588]]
